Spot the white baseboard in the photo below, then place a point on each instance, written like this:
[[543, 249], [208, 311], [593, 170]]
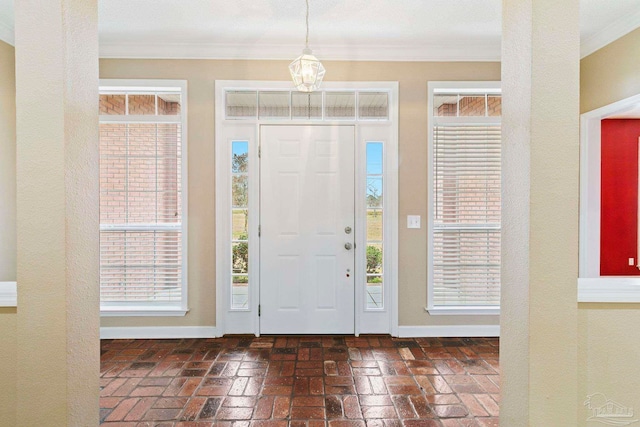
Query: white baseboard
[[449, 331], [169, 332], [157, 332]]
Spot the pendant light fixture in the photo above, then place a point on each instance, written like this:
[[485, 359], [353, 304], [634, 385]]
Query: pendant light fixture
[[306, 70]]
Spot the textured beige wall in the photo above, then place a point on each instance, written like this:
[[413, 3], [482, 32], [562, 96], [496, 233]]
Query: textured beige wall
[[7, 231], [553, 241], [201, 74], [541, 85], [610, 343], [611, 73], [516, 141], [58, 352], [8, 366], [7, 164], [8, 378], [609, 338]]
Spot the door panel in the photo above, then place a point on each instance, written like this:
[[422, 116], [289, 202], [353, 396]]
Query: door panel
[[306, 201]]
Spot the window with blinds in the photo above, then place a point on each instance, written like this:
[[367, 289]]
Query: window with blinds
[[465, 236], [142, 237]]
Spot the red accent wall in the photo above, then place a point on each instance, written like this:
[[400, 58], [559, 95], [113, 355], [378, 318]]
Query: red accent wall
[[619, 197]]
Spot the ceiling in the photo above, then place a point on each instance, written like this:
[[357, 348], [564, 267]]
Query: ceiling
[[418, 30]]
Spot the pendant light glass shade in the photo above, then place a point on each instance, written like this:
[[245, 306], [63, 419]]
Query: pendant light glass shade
[[306, 71]]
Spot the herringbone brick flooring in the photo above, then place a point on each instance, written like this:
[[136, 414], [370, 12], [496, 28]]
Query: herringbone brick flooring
[[310, 381]]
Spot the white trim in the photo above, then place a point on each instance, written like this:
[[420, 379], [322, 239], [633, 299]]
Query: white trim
[[158, 332], [177, 226], [152, 85], [610, 33], [406, 52], [159, 85], [247, 321], [105, 118], [7, 33], [449, 331], [331, 86], [609, 289], [141, 310], [140, 87], [466, 86], [8, 294], [589, 245], [392, 161], [359, 227], [469, 120], [222, 216], [462, 310]]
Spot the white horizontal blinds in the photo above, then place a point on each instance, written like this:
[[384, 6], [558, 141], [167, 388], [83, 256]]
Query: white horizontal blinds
[[467, 174], [274, 104], [141, 256], [466, 226]]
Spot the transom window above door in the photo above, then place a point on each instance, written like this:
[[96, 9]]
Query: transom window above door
[[320, 105]]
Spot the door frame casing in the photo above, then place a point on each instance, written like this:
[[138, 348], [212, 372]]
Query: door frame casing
[[236, 321]]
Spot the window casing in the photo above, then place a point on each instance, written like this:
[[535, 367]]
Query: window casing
[[143, 198], [464, 199]]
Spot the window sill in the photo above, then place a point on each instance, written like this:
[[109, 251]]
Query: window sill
[[463, 311], [619, 289], [137, 311], [8, 294]]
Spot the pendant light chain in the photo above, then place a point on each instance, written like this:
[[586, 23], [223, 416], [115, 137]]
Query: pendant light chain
[[306, 40]]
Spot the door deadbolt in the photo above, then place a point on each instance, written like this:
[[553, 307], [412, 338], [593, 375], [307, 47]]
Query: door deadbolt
[[348, 246], [347, 230]]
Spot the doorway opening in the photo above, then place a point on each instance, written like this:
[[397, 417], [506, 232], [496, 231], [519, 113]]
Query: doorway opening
[[306, 208], [596, 283]]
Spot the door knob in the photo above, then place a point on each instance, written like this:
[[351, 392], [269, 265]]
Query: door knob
[[347, 230], [348, 246]]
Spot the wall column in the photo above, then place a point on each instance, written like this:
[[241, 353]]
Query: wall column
[[57, 212], [541, 85]]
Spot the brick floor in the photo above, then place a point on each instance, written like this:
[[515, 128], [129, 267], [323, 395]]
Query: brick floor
[[300, 381]]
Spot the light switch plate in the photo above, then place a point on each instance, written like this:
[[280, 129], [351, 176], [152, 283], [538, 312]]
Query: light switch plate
[[413, 221]]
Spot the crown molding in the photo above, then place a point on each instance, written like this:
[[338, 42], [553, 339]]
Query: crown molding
[[419, 53], [610, 33], [472, 53], [7, 33]]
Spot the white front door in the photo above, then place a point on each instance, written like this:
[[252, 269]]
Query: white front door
[[307, 214]]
